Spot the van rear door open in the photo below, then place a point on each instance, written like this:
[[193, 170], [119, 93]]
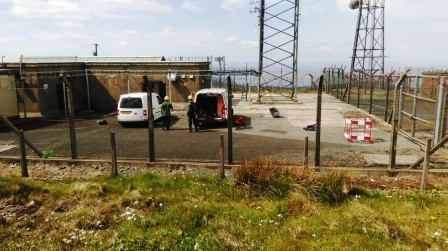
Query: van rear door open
[[211, 105]]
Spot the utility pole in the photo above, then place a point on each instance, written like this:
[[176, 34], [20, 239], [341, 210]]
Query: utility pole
[[95, 52], [3, 57], [222, 68]]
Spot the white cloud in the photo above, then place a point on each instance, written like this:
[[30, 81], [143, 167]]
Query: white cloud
[[407, 8], [123, 43], [167, 31], [132, 32], [248, 44], [417, 9], [192, 5], [44, 35], [41, 8], [11, 39], [325, 49], [232, 5], [85, 9], [343, 5], [232, 39], [71, 24], [192, 39], [241, 43]]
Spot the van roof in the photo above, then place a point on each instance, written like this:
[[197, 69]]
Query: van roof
[[135, 95], [212, 90]]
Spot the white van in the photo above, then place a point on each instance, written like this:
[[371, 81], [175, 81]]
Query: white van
[[211, 105], [133, 107]]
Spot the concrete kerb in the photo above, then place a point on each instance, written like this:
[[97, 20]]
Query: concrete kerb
[[136, 163], [175, 165]]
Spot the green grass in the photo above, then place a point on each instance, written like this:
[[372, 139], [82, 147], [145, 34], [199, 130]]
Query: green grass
[[205, 213]]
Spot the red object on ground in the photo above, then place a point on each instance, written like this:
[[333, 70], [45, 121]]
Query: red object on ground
[[240, 121]]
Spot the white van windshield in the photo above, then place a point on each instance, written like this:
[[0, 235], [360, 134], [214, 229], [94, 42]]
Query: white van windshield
[[131, 103]]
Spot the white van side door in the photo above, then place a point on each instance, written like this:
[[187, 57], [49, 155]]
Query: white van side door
[[157, 106]]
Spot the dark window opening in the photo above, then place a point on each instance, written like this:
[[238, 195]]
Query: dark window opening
[[131, 103]]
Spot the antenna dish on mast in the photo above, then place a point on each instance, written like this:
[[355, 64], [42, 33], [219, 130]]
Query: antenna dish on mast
[[353, 4]]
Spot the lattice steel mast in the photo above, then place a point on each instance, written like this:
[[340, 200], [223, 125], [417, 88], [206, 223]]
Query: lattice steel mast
[[279, 28], [368, 49]]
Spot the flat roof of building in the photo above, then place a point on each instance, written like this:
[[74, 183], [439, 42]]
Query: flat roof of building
[[75, 59], [435, 73]]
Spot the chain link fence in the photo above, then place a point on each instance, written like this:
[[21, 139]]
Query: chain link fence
[[275, 126]]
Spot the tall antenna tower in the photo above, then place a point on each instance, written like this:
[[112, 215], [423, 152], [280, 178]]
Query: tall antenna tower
[[368, 49], [278, 55]]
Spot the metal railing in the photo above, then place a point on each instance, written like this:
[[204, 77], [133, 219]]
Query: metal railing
[[75, 59]]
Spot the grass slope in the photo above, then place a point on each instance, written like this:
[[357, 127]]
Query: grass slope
[[204, 213]]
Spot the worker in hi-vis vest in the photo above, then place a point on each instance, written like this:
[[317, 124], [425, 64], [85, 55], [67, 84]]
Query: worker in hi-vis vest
[[167, 107], [192, 114]]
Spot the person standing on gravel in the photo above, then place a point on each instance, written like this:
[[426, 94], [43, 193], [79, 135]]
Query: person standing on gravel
[[192, 115], [167, 108]]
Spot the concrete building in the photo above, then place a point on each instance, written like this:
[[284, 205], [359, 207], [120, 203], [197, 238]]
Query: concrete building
[[97, 82], [8, 96], [431, 82]]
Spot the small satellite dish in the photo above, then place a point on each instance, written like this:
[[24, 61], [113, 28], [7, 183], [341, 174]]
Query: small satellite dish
[[353, 4], [171, 76]]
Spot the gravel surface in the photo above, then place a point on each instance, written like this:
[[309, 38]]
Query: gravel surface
[[94, 142], [82, 172]]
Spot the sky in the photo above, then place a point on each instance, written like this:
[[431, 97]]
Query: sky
[[416, 30]]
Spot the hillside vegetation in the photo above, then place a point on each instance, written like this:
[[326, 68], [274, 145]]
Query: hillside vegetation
[[272, 209]]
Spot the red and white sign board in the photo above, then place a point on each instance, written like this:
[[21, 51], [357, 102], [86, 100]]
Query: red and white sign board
[[359, 129]]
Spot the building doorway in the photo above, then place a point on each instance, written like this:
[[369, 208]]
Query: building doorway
[[160, 88], [60, 93]]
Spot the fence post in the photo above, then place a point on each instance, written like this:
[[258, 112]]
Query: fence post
[[349, 88], [23, 161], [414, 107], [371, 85], [386, 112], [342, 84], [359, 90], [306, 162], [318, 123], [445, 114], [338, 81], [71, 116], [425, 173], [400, 105], [439, 114], [151, 145], [222, 157], [89, 105], [114, 155], [394, 134], [229, 122]]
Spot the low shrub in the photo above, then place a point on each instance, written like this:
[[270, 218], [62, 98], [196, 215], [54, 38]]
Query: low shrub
[[264, 177], [333, 187]]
